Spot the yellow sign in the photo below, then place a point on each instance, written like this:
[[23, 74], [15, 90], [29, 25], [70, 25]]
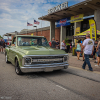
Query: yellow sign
[[77, 18], [93, 33], [77, 31], [32, 34]]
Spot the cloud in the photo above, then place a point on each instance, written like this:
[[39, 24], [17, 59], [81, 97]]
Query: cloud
[[14, 14]]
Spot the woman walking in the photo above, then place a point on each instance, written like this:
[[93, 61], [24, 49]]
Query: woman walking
[[78, 49], [98, 48]]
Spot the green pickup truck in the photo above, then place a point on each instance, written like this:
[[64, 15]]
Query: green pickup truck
[[33, 54]]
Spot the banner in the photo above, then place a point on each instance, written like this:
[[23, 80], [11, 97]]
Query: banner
[[93, 33], [77, 31], [63, 22], [77, 18]]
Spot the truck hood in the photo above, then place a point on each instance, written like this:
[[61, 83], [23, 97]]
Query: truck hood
[[39, 50]]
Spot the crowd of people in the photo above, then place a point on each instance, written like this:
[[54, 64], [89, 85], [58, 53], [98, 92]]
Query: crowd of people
[[88, 48], [62, 45]]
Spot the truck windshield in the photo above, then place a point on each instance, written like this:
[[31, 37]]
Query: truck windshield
[[32, 41]]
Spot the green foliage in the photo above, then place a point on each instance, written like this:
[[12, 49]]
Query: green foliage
[[1, 37], [67, 41]]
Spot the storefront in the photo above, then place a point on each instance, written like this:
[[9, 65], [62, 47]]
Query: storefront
[[79, 15]]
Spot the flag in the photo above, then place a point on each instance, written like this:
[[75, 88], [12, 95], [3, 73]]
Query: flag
[[28, 24], [36, 22]]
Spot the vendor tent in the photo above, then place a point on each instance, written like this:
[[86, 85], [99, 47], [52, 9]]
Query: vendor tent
[[83, 34]]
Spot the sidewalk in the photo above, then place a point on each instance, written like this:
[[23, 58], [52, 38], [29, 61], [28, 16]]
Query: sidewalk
[[74, 62]]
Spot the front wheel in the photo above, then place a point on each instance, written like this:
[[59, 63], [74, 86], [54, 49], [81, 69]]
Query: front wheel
[[17, 68]]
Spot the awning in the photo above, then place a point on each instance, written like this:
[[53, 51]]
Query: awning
[[86, 7], [83, 34]]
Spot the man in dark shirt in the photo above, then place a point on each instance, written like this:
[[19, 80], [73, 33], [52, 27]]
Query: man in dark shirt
[[53, 43], [58, 44]]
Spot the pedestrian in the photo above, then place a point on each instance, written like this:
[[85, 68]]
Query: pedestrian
[[82, 51], [78, 49], [50, 43], [58, 44], [53, 43], [1, 45], [63, 45], [95, 46], [88, 46], [98, 50]]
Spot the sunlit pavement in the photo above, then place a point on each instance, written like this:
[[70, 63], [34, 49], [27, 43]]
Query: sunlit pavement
[[74, 62]]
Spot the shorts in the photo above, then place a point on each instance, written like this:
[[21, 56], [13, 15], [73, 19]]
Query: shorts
[[78, 50], [97, 54], [94, 52]]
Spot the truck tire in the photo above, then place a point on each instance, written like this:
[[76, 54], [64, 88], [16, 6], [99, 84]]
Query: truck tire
[[17, 68]]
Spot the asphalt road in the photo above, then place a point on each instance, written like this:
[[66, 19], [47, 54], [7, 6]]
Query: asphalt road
[[69, 84]]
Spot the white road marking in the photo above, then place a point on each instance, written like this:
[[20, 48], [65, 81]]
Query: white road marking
[[61, 87]]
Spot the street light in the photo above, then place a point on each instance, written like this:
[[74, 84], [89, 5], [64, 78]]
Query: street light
[[36, 29]]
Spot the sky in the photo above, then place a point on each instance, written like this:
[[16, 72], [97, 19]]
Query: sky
[[14, 14]]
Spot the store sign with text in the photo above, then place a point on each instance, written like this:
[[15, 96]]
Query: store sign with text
[[57, 8], [63, 22], [77, 18]]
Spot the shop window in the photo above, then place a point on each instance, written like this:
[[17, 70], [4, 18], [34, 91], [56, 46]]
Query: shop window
[[70, 30], [85, 25]]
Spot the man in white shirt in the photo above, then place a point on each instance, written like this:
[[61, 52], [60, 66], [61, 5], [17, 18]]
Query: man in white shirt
[[88, 46], [63, 46]]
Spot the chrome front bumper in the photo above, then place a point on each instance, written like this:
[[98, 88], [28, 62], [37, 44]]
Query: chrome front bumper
[[44, 67]]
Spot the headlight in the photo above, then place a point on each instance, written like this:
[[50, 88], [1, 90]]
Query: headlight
[[65, 58], [28, 61]]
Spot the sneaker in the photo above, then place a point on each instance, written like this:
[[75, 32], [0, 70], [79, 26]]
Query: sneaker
[[90, 70], [97, 65], [83, 68]]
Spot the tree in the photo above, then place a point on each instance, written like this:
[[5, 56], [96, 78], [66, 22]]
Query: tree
[[1, 37], [67, 41]]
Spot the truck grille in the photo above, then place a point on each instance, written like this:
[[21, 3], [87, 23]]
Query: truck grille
[[47, 59]]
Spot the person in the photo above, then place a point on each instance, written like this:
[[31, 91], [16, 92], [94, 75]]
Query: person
[[82, 52], [1, 45], [50, 43], [44, 42], [58, 44], [53, 43], [14, 42], [78, 49], [95, 46], [98, 50], [88, 46], [63, 45]]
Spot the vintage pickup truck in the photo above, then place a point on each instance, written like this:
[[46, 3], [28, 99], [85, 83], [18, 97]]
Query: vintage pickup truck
[[33, 54]]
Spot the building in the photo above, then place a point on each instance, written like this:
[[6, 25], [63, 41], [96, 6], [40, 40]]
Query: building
[[79, 17], [75, 16]]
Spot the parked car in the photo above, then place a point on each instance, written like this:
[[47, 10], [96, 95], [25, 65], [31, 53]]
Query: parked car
[[33, 54]]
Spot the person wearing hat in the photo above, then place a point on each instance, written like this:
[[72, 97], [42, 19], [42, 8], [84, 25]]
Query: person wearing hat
[[88, 46]]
